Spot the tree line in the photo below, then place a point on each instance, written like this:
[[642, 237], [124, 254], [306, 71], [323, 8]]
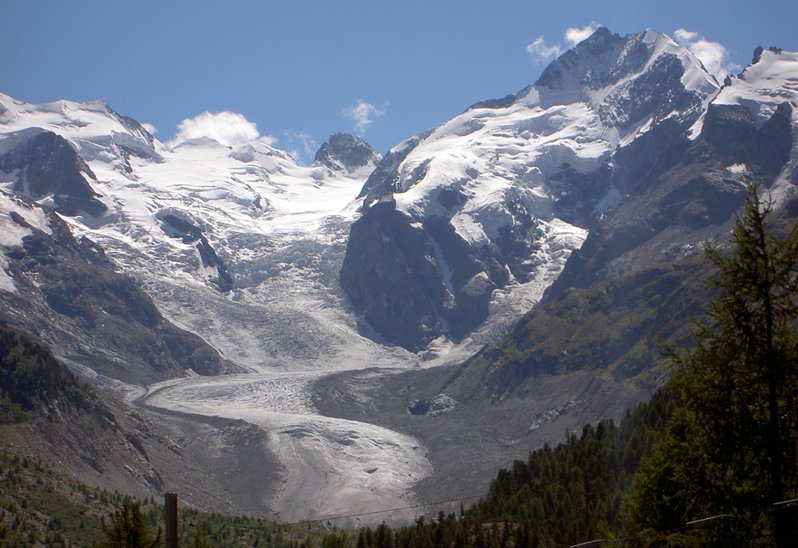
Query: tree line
[[710, 460]]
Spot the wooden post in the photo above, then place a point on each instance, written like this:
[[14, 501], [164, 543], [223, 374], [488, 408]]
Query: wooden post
[[170, 519]]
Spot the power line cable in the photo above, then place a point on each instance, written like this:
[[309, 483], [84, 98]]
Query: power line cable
[[374, 512]]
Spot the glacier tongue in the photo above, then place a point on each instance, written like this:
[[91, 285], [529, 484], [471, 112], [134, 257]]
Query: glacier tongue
[[333, 466], [177, 219]]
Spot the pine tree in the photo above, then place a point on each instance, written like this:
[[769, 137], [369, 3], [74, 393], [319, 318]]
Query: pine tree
[[729, 453], [129, 529]]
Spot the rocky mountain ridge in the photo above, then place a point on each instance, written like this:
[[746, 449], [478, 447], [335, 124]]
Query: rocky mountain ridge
[[638, 279], [640, 274]]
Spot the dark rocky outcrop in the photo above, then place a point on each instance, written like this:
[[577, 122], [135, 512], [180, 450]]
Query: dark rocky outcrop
[[729, 128], [381, 181], [732, 131], [389, 273], [771, 146], [415, 281], [189, 233], [47, 165], [345, 152]]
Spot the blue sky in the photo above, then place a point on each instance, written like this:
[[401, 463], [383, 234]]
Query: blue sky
[[297, 71]]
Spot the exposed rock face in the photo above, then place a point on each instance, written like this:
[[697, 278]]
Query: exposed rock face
[[191, 234], [48, 166], [343, 151], [604, 49], [383, 179], [733, 131], [67, 292], [437, 283]]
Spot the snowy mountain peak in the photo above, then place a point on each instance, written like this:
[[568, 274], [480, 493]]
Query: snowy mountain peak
[[345, 152], [603, 93], [606, 60], [496, 199], [200, 213], [592, 62], [93, 128]]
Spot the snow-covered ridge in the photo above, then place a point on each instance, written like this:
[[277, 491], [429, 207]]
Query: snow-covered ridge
[[572, 117], [93, 127], [253, 188], [520, 180], [764, 85], [228, 229]]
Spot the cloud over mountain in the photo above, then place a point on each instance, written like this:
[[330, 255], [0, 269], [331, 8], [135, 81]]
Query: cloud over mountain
[[229, 128], [541, 52], [362, 114], [713, 55]]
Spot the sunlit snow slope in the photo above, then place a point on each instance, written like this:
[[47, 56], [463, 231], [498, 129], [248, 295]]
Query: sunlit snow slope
[[241, 245]]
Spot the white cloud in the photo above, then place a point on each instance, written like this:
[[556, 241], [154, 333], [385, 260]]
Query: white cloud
[[574, 35], [151, 129], [362, 114], [684, 35], [713, 55], [541, 52], [309, 145], [229, 128], [301, 146], [269, 140]]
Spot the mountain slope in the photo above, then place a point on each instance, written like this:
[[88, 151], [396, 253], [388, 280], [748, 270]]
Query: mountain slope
[[69, 293], [594, 341], [500, 196], [51, 416], [603, 178], [641, 272]]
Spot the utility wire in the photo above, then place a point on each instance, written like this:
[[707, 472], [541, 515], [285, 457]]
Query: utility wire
[[277, 525], [690, 524], [421, 505]]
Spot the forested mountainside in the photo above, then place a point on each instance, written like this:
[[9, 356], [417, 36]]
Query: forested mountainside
[[709, 460], [559, 496], [33, 382]]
